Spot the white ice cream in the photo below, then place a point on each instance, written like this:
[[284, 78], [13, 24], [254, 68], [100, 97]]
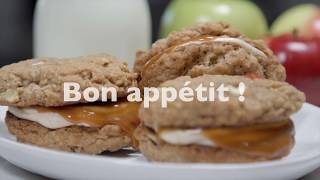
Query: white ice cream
[[255, 51], [49, 120], [186, 137], [54, 120], [241, 43]]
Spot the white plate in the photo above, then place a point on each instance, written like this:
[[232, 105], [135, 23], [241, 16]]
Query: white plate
[[304, 158]]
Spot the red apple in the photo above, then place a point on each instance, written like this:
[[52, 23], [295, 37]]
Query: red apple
[[301, 57]]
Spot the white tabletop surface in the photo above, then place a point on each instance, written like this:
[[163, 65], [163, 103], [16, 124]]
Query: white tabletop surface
[[9, 171]]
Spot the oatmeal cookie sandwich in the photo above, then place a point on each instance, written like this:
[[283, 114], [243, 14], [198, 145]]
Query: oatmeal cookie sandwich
[[37, 114], [258, 128]]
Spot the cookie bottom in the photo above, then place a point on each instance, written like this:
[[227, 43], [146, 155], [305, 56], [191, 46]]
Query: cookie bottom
[[156, 150], [78, 139]]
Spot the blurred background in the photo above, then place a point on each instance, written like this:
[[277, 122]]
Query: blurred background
[[31, 28]]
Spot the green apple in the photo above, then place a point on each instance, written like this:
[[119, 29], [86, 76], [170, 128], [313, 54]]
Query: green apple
[[305, 18], [240, 14]]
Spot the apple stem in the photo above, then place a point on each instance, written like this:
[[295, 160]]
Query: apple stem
[[295, 32]]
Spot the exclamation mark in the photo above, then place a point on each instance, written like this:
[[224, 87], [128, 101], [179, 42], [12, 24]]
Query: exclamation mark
[[242, 88]]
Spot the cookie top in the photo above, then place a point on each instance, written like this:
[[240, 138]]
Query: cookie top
[[40, 81], [196, 51], [265, 101]]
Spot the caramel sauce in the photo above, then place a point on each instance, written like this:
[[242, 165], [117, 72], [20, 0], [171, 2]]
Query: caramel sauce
[[268, 140], [195, 40], [122, 113]]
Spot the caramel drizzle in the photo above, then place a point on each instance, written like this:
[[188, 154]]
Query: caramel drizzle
[[196, 40], [124, 114], [269, 140]]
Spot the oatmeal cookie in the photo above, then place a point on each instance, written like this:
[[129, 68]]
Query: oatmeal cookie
[[209, 48], [40, 81]]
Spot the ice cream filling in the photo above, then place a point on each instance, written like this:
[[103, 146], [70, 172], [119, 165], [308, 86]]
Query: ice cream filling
[[255, 51], [268, 140], [122, 113], [186, 137], [225, 39], [51, 120]]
